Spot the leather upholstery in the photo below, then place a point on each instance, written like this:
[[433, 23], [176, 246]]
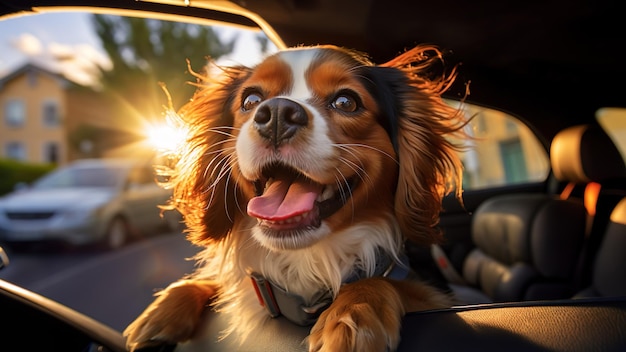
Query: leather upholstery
[[573, 325], [527, 247], [609, 271], [585, 153]]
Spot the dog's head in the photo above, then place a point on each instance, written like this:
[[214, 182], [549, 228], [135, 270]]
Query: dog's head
[[314, 140]]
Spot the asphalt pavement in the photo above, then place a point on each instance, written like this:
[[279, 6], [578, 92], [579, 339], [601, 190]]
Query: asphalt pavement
[[111, 287]]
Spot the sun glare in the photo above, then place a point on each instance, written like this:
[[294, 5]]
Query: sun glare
[[165, 137]]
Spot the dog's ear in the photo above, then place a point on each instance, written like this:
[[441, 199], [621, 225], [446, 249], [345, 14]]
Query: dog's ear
[[204, 191], [422, 128]]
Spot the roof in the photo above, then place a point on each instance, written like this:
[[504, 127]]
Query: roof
[[564, 56], [32, 67], [63, 81]]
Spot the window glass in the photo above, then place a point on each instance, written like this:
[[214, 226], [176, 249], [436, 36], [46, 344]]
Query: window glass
[[109, 81], [15, 113], [15, 151], [51, 153], [613, 120], [50, 112], [79, 176], [100, 91], [503, 151], [142, 176]]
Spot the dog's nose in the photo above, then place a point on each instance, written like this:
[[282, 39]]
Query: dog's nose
[[279, 119]]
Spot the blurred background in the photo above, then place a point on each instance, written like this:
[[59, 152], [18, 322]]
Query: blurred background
[[84, 101]]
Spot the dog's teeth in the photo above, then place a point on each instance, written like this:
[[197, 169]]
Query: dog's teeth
[[269, 182], [291, 220], [326, 194]]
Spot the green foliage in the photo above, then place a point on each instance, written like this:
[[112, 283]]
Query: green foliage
[[145, 52], [13, 172]]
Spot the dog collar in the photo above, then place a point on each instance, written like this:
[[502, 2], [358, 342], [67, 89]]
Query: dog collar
[[277, 301]]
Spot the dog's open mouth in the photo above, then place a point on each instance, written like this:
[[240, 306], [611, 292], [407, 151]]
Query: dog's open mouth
[[288, 200]]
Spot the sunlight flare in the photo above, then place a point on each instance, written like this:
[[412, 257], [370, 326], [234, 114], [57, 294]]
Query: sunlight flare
[[167, 136]]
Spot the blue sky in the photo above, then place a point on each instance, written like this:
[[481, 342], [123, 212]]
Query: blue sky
[[67, 28], [37, 37]]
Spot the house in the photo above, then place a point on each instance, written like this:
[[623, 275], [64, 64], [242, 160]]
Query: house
[[33, 103], [47, 118]]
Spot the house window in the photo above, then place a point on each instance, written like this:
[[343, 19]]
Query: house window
[[51, 153], [50, 114], [15, 151], [505, 153], [15, 113], [513, 161]]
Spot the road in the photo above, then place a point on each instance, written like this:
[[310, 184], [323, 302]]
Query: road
[[111, 287]]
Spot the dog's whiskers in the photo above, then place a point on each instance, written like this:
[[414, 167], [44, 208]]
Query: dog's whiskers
[[210, 166], [224, 170], [219, 130], [233, 160], [358, 171], [342, 192], [344, 146], [212, 146], [228, 178]]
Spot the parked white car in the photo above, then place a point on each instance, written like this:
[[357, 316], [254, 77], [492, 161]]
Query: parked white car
[[96, 201]]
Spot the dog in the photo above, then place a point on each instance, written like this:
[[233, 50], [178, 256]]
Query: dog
[[302, 178]]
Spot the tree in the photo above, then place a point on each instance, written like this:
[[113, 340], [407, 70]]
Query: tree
[[145, 52]]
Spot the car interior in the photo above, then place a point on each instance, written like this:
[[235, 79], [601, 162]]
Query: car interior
[[536, 264]]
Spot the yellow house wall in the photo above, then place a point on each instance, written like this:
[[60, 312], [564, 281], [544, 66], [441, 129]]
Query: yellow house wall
[[34, 133], [490, 129]]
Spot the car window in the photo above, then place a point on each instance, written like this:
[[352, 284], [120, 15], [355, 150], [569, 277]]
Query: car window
[[101, 90], [64, 98], [81, 177], [142, 176], [94, 91], [503, 150], [613, 121]]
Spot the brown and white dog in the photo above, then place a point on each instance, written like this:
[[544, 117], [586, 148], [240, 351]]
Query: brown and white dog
[[303, 177]]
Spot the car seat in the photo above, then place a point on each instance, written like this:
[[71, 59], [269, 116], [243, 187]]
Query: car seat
[[527, 248], [585, 157], [609, 269], [533, 246]]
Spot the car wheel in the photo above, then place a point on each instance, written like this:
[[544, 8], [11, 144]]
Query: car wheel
[[117, 234]]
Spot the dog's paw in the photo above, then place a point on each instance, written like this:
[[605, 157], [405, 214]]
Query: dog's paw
[[358, 322], [354, 328], [171, 318]]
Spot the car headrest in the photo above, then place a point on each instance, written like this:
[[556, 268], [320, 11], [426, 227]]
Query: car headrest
[[585, 153], [618, 215], [531, 228]]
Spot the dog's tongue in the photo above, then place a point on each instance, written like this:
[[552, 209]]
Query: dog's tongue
[[286, 197]]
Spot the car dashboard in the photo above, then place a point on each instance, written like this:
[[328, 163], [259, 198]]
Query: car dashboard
[[566, 325]]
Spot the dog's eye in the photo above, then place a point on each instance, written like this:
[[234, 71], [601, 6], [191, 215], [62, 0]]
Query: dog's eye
[[250, 101], [345, 103]]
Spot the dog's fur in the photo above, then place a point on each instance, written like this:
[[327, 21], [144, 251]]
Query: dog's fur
[[375, 137]]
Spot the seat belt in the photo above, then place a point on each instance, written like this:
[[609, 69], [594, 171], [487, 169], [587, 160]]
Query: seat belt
[[590, 200], [445, 266], [592, 190]]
